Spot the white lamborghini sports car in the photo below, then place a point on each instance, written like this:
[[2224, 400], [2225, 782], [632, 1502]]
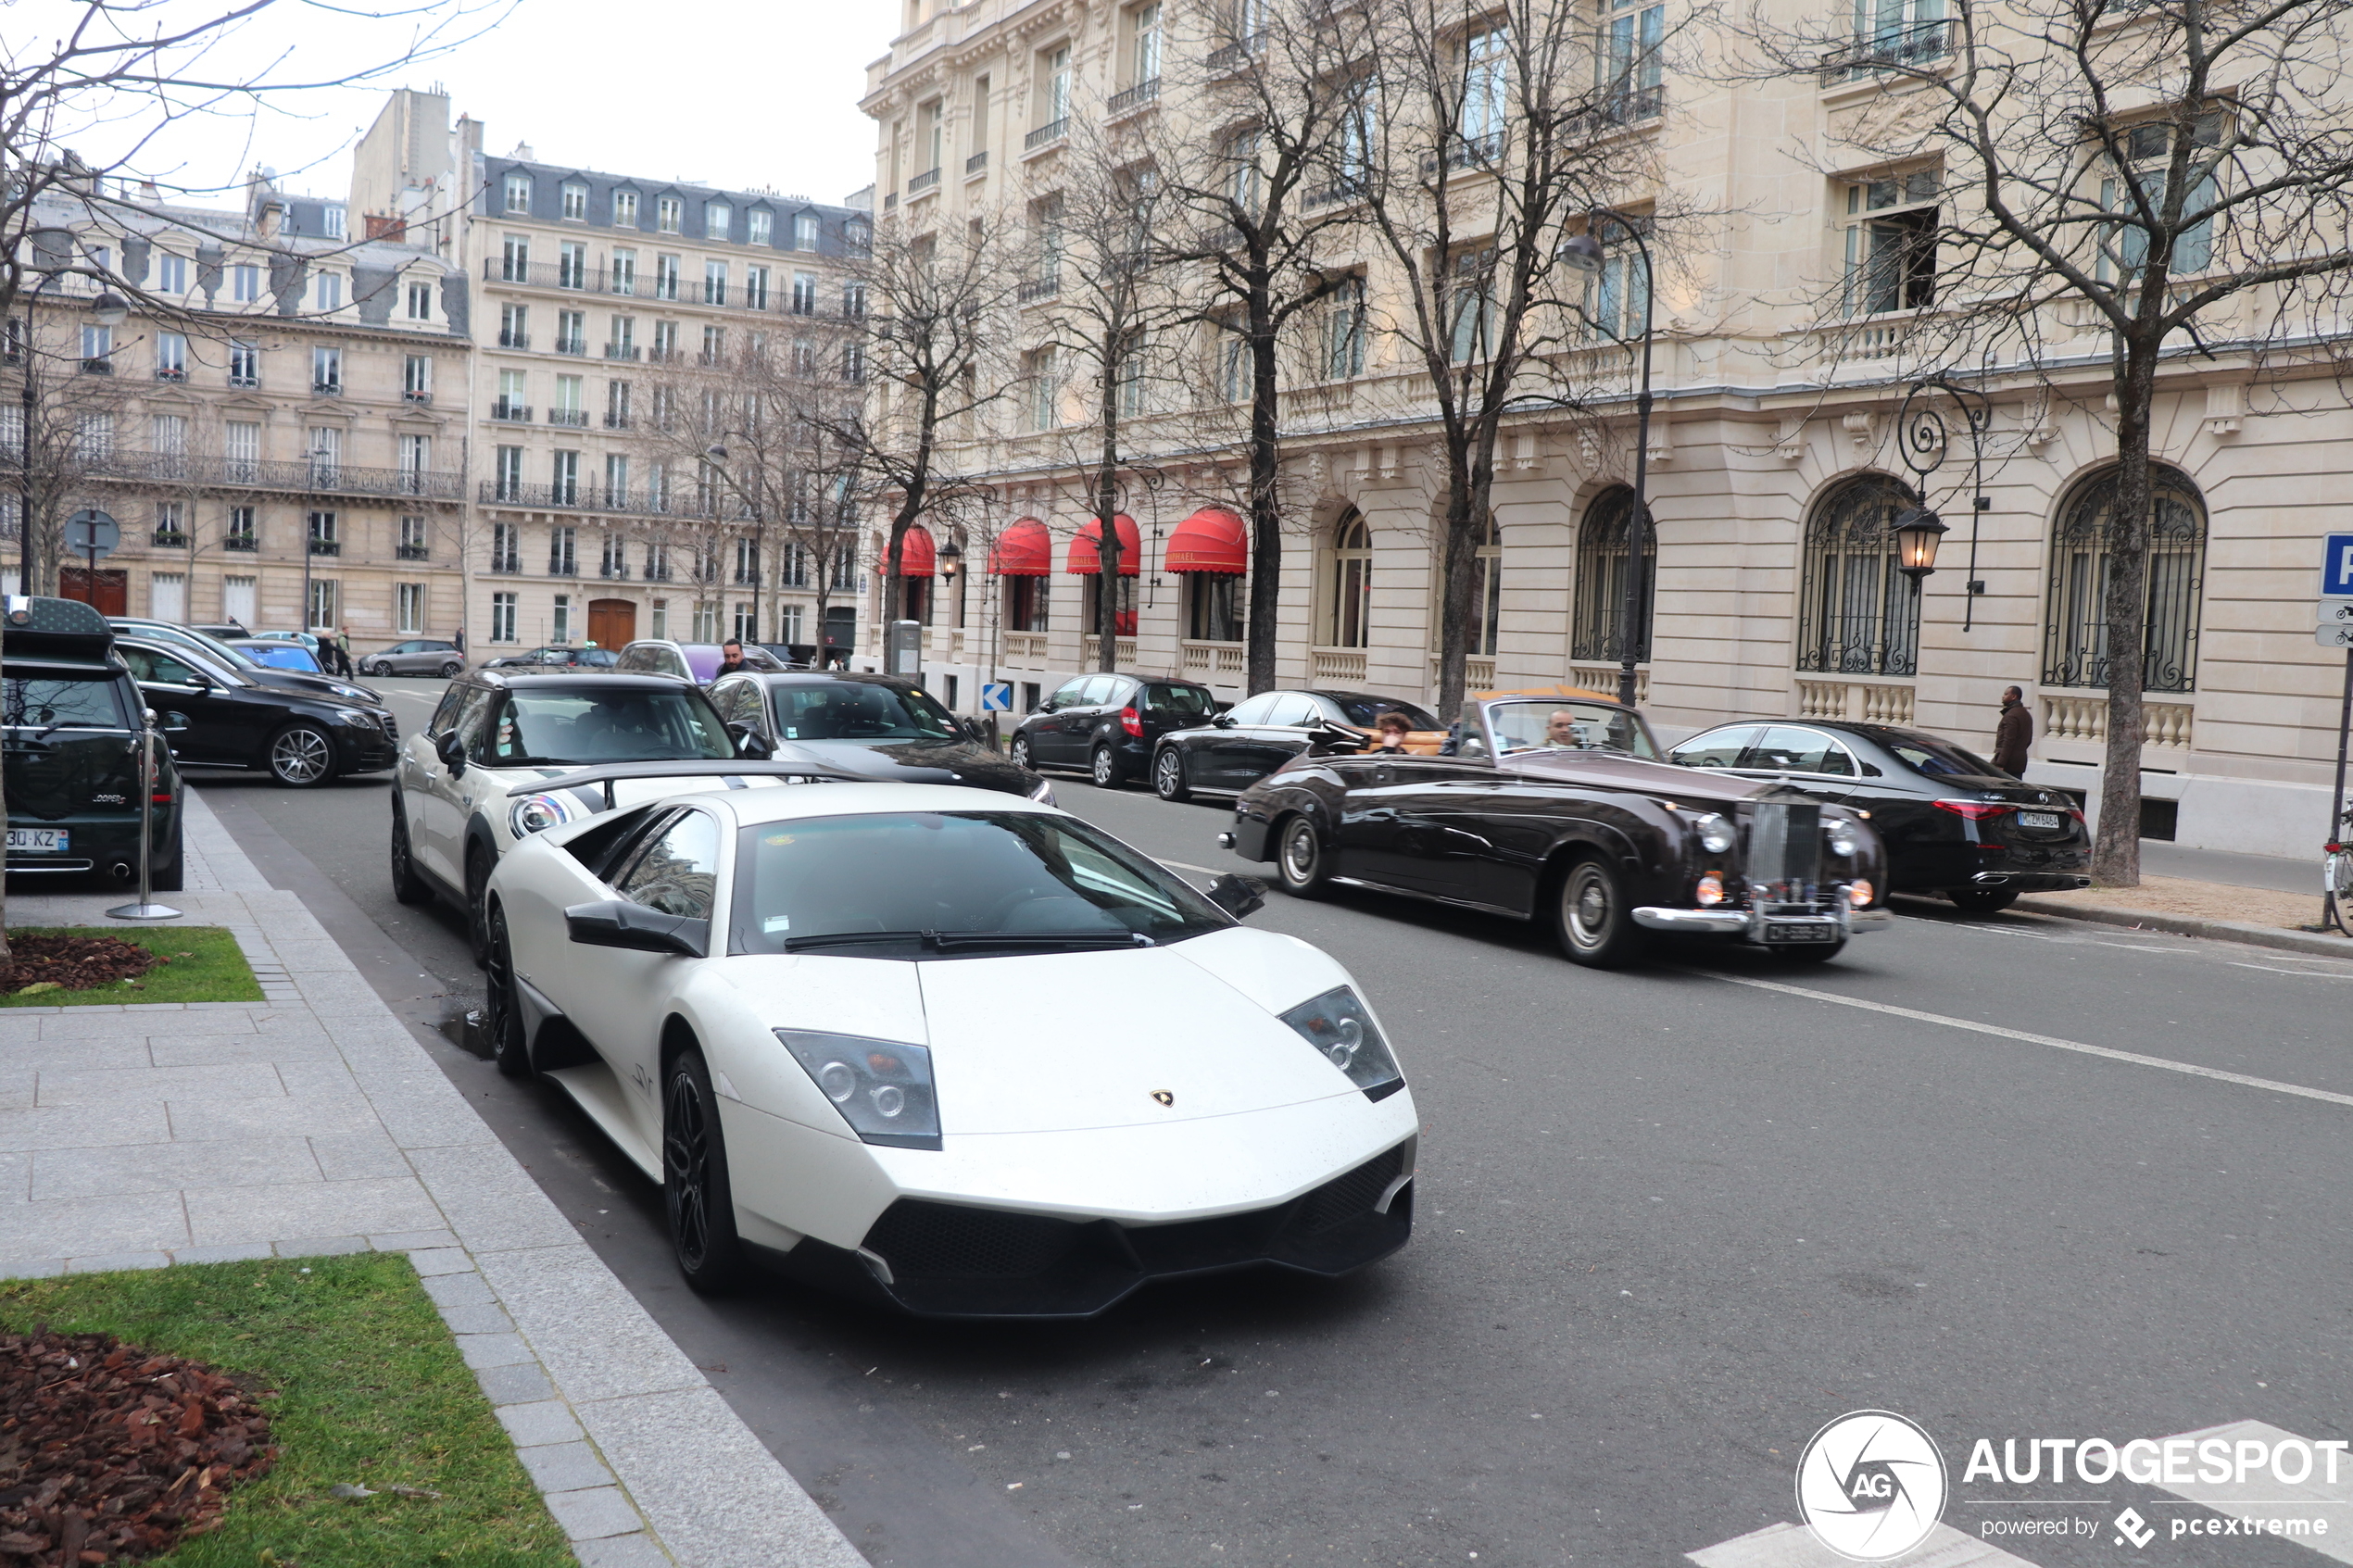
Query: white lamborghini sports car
[[944, 1045]]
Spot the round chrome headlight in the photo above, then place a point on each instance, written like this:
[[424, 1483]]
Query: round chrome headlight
[[1710, 892], [1843, 841], [838, 1080], [1715, 832], [537, 813], [889, 1099]]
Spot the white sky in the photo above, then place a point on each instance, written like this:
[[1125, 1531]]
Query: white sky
[[733, 94]]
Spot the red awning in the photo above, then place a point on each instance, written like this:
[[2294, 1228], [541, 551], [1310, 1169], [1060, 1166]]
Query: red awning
[[1025, 549], [1212, 539], [916, 557], [1086, 562]]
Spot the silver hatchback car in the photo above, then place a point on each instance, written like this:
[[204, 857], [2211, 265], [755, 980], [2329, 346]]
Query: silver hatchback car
[[418, 656]]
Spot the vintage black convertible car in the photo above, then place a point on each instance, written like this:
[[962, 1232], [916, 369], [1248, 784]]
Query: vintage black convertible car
[[1559, 807]]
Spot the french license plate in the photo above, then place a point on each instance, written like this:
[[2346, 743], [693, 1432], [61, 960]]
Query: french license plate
[[2038, 819], [1799, 931], [36, 841]]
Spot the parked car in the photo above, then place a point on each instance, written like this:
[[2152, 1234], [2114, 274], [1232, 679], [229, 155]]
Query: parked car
[[1563, 809], [497, 729], [812, 1015], [1237, 749], [1953, 824], [555, 656], [880, 726], [242, 662], [227, 720], [1108, 724], [305, 638], [418, 656], [698, 662], [74, 723], [277, 655], [223, 629]]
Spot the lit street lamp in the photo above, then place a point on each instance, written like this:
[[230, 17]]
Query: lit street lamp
[[1583, 253], [1917, 530]]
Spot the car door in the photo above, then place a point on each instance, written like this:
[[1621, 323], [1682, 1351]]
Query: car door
[[675, 869], [1083, 725], [1255, 750], [1397, 828], [1217, 756], [439, 828], [219, 732], [1050, 740]]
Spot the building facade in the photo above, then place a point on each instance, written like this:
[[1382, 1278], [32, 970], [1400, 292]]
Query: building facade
[[273, 426], [592, 290], [1774, 464]]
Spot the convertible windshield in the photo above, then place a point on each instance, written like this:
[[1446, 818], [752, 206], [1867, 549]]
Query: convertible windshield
[[1568, 725], [853, 711], [606, 726], [917, 883]]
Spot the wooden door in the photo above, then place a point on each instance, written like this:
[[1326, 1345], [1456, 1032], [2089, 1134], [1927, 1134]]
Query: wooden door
[[613, 623], [112, 595]]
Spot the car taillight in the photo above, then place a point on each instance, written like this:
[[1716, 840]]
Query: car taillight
[[159, 799], [1975, 810], [1131, 720]]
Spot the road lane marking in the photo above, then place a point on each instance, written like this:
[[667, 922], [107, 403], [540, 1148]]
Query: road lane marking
[[2316, 1497], [1794, 1546], [2053, 1041]]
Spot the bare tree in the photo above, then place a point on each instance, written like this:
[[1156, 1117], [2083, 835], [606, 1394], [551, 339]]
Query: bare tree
[[923, 310], [1486, 137], [2180, 169], [1262, 215], [57, 439]]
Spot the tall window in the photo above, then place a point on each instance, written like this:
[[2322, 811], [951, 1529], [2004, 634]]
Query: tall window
[[563, 551], [755, 284], [576, 202], [2149, 151], [509, 472], [503, 617], [416, 462], [1857, 614], [1054, 106], [326, 292], [1213, 607], [623, 278], [409, 607], [1601, 579], [1027, 601], [804, 294], [514, 259], [518, 192], [1146, 66], [2075, 622], [420, 302], [804, 230], [616, 480], [514, 326], [760, 226], [1344, 330], [1470, 303], [1348, 614], [506, 547], [326, 604], [1891, 243], [172, 357], [718, 217], [1898, 33], [245, 363], [1486, 90], [326, 369], [241, 440], [670, 213], [1044, 391], [416, 378], [172, 273], [571, 264], [624, 209], [560, 628], [245, 284], [665, 277], [1618, 297], [565, 472], [714, 282], [1629, 57]]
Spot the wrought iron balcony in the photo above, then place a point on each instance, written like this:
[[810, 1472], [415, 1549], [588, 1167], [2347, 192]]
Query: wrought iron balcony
[[169, 372], [1139, 96], [1047, 134], [244, 544], [1038, 288], [1234, 56], [928, 180], [309, 476], [621, 351], [616, 422], [512, 339], [326, 389], [97, 367], [170, 539], [326, 546], [575, 417], [247, 382], [410, 395], [571, 346], [977, 162], [518, 413], [1889, 48], [412, 552]]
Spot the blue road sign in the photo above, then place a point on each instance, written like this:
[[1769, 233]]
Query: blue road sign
[[2336, 567], [997, 696]]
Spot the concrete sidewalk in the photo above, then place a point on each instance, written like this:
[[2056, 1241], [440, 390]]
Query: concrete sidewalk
[[312, 1122]]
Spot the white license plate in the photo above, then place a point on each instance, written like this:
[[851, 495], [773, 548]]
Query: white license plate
[[2038, 819], [1799, 931], [36, 841]]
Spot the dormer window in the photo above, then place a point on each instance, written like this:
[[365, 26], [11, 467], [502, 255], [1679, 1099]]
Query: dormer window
[[759, 226], [334, 220], [717, 217], [624, 209], [576, 202], [517, 193], [670, 213]]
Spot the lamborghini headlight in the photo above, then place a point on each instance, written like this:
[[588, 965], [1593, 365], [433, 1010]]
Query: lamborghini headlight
[[537, 813], [1715, 832], [1044, 793], [882, 1088], [1338, 1024]]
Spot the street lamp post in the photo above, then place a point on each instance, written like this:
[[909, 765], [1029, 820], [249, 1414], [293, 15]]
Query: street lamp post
[[1583, 253]]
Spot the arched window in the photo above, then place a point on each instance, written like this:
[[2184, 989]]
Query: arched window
[[1348, 616], [1601, 579], [1487, 593], [2075, 623], [1857, 614]]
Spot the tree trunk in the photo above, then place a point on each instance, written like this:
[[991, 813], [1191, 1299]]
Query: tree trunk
[[1107, 557], [1265, 521], [2116, 850], [1457, 571]]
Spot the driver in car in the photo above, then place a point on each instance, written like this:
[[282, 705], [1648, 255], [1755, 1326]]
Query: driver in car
[[1561, 729]]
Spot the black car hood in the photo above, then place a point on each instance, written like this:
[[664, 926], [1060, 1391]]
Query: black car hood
[[307, 685], [937, 762]]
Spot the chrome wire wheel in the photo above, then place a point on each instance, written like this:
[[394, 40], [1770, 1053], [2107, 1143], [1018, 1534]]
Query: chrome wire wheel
[[301, 757]]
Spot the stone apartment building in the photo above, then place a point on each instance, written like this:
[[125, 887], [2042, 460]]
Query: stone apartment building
[[1773, 467], [587, 286], [277, 426]]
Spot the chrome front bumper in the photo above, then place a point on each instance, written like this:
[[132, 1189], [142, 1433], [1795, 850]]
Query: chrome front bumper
[[1750, 924]]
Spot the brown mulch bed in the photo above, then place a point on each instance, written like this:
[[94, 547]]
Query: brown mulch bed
[[74, 963], [108, 1453]]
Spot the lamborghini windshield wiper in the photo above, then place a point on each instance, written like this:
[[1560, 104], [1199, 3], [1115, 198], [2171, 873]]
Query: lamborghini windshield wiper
[[851, 938]]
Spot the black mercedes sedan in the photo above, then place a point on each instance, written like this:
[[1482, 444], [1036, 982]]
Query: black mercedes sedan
[[1238, 748], [1953, 824], [1560, 808], [220, 718], [884, 726]]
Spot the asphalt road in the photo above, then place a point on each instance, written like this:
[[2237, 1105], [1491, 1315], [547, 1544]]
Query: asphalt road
[[1671, 1222]]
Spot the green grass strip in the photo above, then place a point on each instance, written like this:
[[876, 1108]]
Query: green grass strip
[[370, 1389], [215, 969]]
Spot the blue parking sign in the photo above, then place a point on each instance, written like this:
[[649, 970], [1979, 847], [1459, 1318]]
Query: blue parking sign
[[2336, 567], [997, 696]]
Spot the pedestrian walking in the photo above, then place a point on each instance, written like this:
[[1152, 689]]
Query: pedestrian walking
[[2014, 733], [340, 642], [459, 640]]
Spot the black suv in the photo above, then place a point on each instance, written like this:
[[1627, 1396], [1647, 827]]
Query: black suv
[[1108, 724], [74, 723]]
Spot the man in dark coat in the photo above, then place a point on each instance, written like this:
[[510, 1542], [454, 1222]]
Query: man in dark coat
[[2013, 734]]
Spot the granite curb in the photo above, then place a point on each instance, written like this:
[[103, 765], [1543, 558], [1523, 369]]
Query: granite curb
[[314, 1125], [2320, 943]]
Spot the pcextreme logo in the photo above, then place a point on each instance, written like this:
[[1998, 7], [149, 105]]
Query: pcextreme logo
[[1871, 1486]]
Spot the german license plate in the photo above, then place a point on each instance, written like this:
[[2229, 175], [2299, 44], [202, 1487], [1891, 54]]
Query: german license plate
[[1799, 931], [2038, 819], [36, 841]]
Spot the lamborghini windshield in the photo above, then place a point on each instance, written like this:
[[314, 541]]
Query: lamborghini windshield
[[939, 884]]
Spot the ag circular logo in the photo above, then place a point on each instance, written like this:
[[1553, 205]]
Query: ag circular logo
[[1871, 1486]]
